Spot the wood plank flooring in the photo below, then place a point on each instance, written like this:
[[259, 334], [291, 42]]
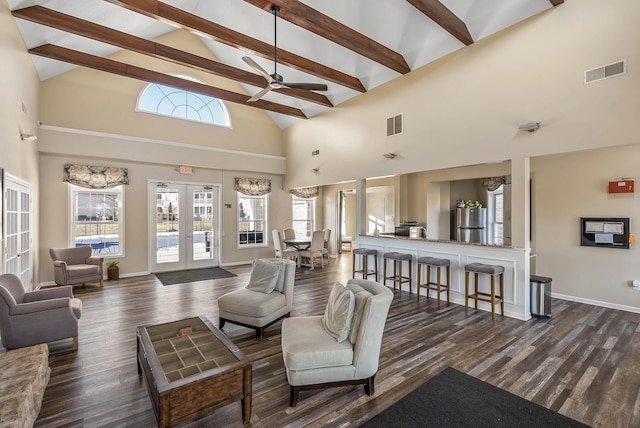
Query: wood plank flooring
[[584, 362]]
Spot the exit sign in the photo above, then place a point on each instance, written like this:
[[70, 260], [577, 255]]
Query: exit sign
[[186, 169]]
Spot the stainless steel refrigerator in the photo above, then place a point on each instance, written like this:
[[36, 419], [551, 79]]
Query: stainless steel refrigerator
[[471, 225]]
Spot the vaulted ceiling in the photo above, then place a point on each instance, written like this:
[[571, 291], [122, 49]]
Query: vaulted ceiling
[[351, 46]]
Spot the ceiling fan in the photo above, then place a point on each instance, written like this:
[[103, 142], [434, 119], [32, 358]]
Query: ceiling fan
[[276, 81]]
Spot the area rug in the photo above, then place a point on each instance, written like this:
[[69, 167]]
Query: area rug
[[192, 275], [454, 399]]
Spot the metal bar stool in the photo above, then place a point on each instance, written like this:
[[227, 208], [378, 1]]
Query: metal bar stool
[[364, 254], [397, 259], [429, 285], [493, 271]]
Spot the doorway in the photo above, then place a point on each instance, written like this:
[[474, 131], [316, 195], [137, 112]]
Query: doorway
[[18, 241], [184, 226]]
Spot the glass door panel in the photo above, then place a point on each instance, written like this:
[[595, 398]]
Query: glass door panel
[[17, 223]]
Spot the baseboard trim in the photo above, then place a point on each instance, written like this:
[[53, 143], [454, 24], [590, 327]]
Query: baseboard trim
[[595, 303]]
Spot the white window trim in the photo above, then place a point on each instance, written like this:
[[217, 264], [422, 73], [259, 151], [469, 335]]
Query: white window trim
[[71, 221], [313, 213], [265, 235]]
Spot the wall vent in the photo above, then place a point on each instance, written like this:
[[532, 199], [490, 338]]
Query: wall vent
[[605, 72], [315, 152], [394, 125]]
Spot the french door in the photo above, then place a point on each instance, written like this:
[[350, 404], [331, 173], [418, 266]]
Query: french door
[[184, 226], [18, 241]]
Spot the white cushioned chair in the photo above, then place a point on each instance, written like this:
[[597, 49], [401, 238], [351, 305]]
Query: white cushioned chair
[[281, 252], [314, 251], [315, 359], [255, 306], [76, 266]]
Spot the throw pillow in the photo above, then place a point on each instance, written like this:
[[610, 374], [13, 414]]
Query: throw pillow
[[264, 276], [339, 312]]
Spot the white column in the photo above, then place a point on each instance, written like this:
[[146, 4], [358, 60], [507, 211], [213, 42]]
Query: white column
[[361, 206], [520, 202]]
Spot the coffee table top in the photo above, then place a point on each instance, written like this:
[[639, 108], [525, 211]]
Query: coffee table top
[[189, 347]]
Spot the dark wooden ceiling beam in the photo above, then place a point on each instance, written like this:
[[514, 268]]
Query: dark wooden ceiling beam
[[127, 70], [324, 26], [202, 27], [71, 24], [442, 16], [556, 2]]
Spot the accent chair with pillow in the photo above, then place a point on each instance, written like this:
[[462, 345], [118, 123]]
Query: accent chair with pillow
[[341, 347], [267, 298], [41, 316], [76, 265]]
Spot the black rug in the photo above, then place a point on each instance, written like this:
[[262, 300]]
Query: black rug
[[454, 399], [192, 275]]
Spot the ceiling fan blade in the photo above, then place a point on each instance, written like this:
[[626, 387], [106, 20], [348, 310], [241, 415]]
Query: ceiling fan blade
[[307, 86], [257, 68], [260, 94]]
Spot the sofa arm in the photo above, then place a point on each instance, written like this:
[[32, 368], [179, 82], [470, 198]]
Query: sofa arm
[[93, 260], [48, 293], [42, 305], [60, 264]]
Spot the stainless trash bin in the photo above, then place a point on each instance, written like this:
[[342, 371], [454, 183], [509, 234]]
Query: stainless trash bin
[[540, 296]]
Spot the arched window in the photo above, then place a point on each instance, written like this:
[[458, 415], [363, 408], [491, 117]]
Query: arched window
[[168, 101]]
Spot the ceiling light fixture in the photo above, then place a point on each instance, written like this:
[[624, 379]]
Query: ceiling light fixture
[[28, 137], [389, 155], [530, 127]]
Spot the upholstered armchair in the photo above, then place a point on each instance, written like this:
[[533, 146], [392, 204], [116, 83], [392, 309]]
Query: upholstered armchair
[[42, 316], [76, 266], [343, 346], [267, 298]]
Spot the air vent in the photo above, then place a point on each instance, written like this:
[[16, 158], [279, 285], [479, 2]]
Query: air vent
[[394, 125], [605, 72], [315, 152]]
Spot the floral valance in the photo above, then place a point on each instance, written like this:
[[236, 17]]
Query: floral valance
[[252, 186], [306, 192], [95, 177], [492, 183]]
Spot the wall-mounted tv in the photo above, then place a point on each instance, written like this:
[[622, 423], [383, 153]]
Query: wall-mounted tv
[[604, 232]]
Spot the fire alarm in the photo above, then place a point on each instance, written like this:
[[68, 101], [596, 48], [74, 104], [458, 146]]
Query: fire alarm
[[622, 186]]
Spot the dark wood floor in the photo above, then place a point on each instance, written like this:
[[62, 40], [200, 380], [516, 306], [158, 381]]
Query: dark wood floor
[[584, 362]]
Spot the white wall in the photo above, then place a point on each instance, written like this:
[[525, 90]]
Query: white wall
[[19, 87]]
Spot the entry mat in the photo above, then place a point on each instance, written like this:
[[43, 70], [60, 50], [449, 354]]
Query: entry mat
[[192, 275]]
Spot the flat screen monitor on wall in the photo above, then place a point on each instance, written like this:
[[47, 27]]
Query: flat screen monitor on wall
[[604, 232]]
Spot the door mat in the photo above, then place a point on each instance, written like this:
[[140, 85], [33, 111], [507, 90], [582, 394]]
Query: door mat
[[192, 275], [454, 399]]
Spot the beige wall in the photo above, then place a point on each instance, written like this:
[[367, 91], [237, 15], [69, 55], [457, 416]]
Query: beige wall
[[18, 86], [465, 109]]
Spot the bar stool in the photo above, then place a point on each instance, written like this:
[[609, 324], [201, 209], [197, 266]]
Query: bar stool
[[429, 285], [364, 254], [491, 270], [397, 259]]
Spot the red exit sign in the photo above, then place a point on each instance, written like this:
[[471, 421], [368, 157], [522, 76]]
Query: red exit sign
[[186, 169]]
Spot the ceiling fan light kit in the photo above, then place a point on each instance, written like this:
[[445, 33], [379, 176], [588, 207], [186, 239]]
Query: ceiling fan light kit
[[276, 81]]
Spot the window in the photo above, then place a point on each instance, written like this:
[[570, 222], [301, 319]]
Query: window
[[496, 215], [178, 103], [303, 216], [252, 220], [97, 219]]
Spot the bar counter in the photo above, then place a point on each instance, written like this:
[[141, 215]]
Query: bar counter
[[514, 260]]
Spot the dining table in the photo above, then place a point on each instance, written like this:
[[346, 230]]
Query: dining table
[[298, 243]]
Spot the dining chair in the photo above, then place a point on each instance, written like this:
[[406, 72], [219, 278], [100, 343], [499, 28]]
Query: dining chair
[[315, 250], [325, 249], [288, 234], [281, 252]]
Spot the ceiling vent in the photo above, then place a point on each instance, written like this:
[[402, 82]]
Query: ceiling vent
[[394, 125], [605, 72]]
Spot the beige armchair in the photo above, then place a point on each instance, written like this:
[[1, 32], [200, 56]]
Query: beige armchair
[[267, 298], [40, 316], [317, 356], [76, 266]]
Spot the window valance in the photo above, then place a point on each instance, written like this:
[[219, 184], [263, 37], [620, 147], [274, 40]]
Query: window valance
[[492, 183], [306, 192], [252, 186], [95, 177]]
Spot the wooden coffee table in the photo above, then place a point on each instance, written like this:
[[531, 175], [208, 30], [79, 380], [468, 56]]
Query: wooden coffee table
[[191, 368]]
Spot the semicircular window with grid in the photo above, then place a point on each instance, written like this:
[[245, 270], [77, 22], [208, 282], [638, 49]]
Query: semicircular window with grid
[[168, 101]]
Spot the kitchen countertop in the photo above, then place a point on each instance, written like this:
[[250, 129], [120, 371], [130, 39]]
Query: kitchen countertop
[[444, 241]]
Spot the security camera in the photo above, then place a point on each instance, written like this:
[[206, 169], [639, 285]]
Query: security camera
[[530, 127]]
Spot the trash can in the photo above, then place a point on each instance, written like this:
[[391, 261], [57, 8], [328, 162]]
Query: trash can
[[540, 296]]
